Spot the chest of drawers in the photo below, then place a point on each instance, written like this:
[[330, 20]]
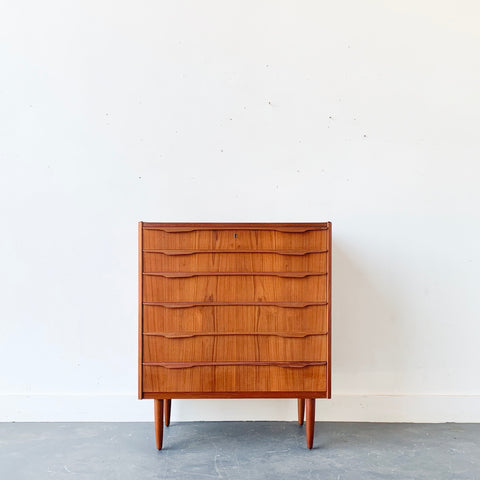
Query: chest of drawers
[[234, 310]]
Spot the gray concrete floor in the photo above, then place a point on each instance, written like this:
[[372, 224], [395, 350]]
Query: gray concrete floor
[[239, 450]]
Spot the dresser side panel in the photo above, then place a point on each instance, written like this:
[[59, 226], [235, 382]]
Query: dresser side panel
[[329, 311], [140, 309]]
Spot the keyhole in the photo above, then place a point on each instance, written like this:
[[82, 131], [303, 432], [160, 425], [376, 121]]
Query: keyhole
[[235, 235]]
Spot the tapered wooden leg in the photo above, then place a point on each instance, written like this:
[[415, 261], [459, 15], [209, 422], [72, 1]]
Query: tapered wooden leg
[[159, 423], [301, 410], [167, 404], [310, 421]]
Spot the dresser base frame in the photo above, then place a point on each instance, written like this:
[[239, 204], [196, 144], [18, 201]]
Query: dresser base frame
[[193, 395], [162, 408]]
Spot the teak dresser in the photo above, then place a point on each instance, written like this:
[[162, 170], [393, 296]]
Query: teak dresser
[[235, 310]]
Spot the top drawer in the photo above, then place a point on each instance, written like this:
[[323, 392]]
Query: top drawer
[[231, 238]]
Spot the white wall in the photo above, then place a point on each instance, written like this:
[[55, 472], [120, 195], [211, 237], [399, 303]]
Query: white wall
[[362, 113]]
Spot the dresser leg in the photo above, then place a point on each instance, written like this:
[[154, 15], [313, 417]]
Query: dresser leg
[[159, 422], [167, 404], [301, 410], [310, 421]]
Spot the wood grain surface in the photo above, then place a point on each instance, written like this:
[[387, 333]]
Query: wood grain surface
[[232, 240], [234, 347], [234, 289], [237, 318], [235, 262], [231, 310], [236, 378]]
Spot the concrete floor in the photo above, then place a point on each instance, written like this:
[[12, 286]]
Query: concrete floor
[[239, 450]]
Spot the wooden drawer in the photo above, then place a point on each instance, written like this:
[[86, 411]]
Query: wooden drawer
[[239, 239], [241, 318], [244, 288], [238, 378], [189, 261], [209, 347]]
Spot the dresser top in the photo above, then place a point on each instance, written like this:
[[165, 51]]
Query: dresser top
[[210, 225]]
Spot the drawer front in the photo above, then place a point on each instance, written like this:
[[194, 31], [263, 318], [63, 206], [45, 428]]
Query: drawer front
[[235, 239], [244, 378], [245, 288], [241, 318], [217, 348], [188, 261]]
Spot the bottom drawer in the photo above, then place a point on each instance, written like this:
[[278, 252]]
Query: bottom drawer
[[235, 378]]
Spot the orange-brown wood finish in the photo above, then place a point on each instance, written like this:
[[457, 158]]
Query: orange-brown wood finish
[[310, 414], [158, 408], [140, 311], [167, 406], [301, 410], [215, 347], [234, 310]]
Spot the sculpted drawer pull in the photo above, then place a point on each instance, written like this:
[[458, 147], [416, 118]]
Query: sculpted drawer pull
[[194, 252], [302, 364], [233, 304], [179, 335], [235, 274], [233, 364]]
